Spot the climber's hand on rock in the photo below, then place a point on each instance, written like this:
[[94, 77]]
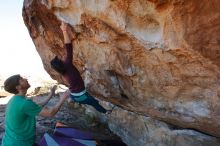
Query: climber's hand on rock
[[64, 26]]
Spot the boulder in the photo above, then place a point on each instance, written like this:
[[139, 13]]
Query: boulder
[[152, 57]]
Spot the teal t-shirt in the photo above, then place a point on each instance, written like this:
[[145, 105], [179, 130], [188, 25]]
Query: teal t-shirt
[[20, 122]]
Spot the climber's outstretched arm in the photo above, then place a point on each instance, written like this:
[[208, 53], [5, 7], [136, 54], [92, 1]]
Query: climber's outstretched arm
[[64, 27]]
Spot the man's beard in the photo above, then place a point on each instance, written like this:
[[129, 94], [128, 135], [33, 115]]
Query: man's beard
[[26, 86]]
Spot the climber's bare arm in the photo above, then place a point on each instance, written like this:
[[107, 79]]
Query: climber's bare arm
[[68, 33]]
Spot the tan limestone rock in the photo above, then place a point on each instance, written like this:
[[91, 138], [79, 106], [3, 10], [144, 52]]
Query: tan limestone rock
[[158, 58]]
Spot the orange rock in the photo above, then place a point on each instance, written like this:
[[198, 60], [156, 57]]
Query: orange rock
[[168, 69]]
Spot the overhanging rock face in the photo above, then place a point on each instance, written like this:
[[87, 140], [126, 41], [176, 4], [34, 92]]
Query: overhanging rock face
[[157, 58]]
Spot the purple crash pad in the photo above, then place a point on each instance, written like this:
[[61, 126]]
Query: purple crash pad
[[73, 133], [58, 141]]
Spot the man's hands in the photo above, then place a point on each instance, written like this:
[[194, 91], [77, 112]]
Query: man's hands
[[53, 89], [50, 112], [65, 95]]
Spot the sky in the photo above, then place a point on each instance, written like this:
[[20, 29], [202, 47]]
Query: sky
[[17, 51]]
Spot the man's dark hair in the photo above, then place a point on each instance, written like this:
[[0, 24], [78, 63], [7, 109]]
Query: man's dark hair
[[58, 65], [11, 83]]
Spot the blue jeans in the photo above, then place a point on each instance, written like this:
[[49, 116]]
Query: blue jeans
[[90, 101]]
